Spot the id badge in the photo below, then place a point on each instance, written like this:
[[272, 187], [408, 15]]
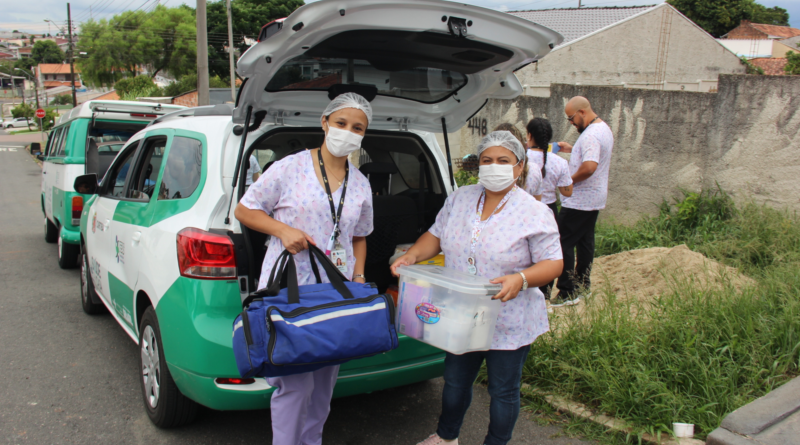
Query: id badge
[[338, 257], [471, 268]]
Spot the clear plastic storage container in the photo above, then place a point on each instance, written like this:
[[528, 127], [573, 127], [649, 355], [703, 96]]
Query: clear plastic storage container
[[446, 308]]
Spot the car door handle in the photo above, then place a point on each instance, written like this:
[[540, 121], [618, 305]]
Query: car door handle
[[136, 237], [106, 224]]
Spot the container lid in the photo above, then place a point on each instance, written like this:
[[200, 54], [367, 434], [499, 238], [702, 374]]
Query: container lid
[[451, 279]]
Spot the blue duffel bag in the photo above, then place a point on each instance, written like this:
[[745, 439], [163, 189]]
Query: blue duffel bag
[[300, 329]]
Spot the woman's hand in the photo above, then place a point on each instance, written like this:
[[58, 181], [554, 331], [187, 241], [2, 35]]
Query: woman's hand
[[512, 284], [405, 260], [295, 240]]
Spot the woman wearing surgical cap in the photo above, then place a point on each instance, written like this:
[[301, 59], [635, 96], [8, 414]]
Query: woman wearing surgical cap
[[495, 230], [315, 197]]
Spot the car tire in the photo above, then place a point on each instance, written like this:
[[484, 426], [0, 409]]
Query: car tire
[[166, 406], [67, 254], [50, 231], [87, 290]]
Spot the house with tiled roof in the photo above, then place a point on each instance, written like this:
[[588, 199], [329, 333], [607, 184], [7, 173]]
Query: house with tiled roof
[[652, 46], [755, 31], [51, 75], [771, 66]]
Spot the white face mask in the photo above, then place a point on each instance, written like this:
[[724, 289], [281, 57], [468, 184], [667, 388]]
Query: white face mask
[[342, 142], [496, 177]]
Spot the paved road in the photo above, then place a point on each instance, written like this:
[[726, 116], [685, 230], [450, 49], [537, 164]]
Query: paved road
[[70, 378]]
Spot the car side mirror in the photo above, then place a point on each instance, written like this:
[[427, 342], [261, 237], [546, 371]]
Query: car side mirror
[[86, 184]]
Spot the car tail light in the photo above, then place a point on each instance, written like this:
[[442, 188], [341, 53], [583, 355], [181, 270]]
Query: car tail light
[[143, 115], [77, 208], [234, 381], [205, 255]]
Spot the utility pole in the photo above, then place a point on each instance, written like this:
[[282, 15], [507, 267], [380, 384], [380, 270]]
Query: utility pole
[[72, 57], [202, 55], [230, 51]]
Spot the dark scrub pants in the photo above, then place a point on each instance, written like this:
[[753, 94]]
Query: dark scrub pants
[[576, 228]]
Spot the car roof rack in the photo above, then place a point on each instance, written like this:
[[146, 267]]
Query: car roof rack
[[208, 110]]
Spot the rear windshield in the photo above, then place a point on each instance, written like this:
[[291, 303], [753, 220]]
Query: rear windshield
[[422, 66], [320, 73]]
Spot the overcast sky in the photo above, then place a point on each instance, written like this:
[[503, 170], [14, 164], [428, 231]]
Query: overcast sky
[[28, 16]]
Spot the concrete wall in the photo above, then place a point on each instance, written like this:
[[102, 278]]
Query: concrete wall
[[746, 137], [628, 53]]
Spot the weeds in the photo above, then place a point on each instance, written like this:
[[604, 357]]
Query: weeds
[[695, 353]]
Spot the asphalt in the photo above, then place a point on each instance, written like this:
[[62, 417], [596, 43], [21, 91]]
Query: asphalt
[[71, 378]]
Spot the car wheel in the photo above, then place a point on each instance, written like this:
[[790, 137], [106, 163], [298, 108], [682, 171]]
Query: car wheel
[[166, 406], [50, 231], [87, 290], [67, 254]]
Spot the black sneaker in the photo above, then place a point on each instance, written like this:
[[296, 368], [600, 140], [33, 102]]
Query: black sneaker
[[561, 301]]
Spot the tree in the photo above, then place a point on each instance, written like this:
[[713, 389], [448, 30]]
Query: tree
[[248, 16], [46, 51], [793, 62], [718, 17], [162, 40]]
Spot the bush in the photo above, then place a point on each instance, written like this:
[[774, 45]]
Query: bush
[[139, 86], [62, 99], [693, 354], [189, 83]]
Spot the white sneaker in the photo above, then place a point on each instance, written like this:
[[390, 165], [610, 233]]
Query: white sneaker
[[434, 439]]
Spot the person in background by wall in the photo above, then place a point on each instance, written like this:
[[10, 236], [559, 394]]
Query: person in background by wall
[[531, 179], [554, 170], [589, 165], [253, 172]]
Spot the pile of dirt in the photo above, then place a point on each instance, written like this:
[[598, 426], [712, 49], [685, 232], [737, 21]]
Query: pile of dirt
[[646, 273]]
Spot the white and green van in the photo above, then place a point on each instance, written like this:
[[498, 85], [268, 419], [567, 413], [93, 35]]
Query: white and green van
[[161, 250], [96, 127]]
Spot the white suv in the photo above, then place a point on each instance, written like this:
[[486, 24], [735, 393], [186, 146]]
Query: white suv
[[17, 122], [172, 264]]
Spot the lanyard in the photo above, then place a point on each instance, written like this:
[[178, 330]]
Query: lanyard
[[478, 225], [335, 215]]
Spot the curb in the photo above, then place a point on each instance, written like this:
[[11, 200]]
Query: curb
[[576, 409]]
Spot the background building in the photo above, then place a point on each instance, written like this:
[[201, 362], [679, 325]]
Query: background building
[[653, 47]]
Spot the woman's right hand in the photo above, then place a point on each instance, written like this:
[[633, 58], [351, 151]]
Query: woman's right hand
[[405, 260], [295, 240]]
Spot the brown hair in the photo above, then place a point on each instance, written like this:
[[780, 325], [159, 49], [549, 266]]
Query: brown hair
[[511, 128]]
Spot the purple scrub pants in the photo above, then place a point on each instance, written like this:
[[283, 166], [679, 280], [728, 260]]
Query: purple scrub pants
[[300, 406]]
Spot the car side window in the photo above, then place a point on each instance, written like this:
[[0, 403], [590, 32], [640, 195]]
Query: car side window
[[182, 173], [52, 141], [143, 181], [62, 143], [114, 181]]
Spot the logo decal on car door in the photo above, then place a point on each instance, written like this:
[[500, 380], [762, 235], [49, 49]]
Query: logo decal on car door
[[120, 250]]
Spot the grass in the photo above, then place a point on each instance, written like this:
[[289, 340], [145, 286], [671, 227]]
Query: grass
[[10, 131], [699, 353]]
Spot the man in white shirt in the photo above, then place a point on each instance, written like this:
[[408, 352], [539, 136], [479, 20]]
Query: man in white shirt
[[589, 166], [253, 172]]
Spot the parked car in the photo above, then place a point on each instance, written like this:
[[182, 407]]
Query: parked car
[[17, 122], [87, 127], [173, 269]]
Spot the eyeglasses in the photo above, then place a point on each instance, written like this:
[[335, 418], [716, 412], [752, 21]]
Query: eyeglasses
[[572, 117]]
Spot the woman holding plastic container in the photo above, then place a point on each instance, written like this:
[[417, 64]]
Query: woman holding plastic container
[[316, 197], [512, 238]]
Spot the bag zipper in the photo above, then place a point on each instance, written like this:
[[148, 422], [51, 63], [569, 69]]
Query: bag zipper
[[304, 310], [248, 336]]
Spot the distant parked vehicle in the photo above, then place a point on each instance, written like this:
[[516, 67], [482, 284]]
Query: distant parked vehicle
[[16, 122]]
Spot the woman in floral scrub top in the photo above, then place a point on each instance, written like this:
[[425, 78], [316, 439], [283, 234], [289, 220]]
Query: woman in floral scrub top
[[520, 236], [294, 193]]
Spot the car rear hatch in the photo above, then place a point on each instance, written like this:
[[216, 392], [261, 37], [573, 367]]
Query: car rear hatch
[[417, 61]]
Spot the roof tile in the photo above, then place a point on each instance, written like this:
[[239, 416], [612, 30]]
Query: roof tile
[[775, 30], [771, 67]]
